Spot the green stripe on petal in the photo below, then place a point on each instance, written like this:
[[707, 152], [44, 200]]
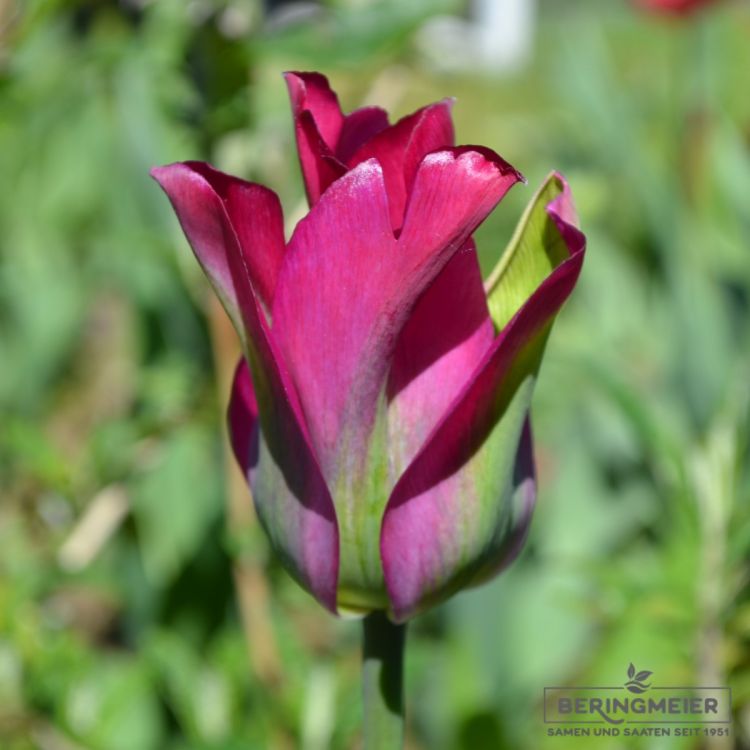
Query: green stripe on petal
[[534, 251]]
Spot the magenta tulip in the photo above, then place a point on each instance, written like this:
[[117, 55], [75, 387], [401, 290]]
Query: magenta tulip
[[381, 409]]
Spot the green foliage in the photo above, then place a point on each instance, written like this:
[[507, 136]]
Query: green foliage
[[127, 632]]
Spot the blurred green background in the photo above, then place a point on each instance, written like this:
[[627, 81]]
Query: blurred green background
[[139, 605]]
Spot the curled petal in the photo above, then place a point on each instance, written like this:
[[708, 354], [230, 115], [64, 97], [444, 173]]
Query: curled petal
[[251, 215], [318, 122], [541, 242], [311, 92], [453, 516], [292, 499]]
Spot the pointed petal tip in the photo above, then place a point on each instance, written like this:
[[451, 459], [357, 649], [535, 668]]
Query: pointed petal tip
[[161, 173], [562, 211], [561, 183], [298, 78], [447, 102], [304, 75], [304, 84], [478, 160], [489, 156], [165, 173]]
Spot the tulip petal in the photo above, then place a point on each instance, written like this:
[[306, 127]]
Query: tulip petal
[[453, 192], [340, 353], [401, 148], [674, 7], [523, 502], [253, 211], [319, 165], [446, 524], [359, 127], [318, 122], [311, 92], [291, 496], [325, 137], [446, 335], [537, 247]]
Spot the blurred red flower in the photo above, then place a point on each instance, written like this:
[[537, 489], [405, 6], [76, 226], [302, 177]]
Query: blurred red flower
[[674, 7]]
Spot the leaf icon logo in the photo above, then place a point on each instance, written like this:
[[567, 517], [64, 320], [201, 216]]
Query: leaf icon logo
[[637, 681]]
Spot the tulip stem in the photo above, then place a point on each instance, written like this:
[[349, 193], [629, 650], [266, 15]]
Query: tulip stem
[[382, 682]]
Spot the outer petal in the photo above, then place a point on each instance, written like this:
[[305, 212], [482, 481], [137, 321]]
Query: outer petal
[[458, 512], [328, 298], [291, 496], [537, 247], [255, 215], [337, 322]]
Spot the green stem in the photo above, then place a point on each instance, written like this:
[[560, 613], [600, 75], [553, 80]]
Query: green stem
[[382, 682]]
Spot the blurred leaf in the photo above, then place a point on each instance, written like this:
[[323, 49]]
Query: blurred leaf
[[114, 707], [176, 500]]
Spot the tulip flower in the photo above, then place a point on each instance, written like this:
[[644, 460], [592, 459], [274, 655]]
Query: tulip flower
[[381, 410]]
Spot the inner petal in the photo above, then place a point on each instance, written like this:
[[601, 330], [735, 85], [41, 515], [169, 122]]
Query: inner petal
[[439, 348]]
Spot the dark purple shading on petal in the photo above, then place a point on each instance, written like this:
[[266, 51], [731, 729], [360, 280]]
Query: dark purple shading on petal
[[242, 419], [524, 482], [319, 165]]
